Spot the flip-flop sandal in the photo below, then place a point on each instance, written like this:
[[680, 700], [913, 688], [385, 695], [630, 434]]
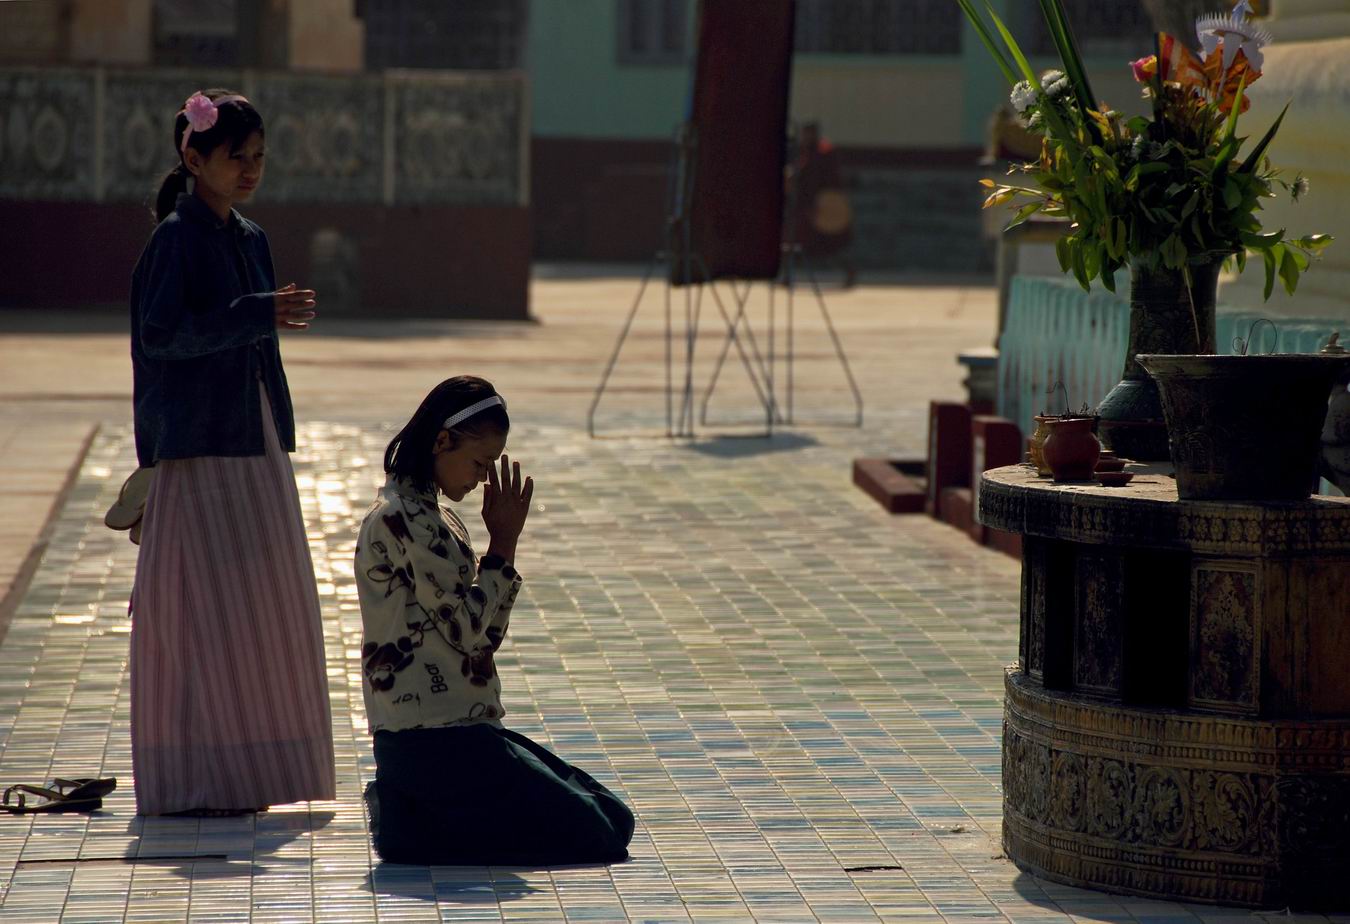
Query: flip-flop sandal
[[130, 504], [85, 787], [16, 800]]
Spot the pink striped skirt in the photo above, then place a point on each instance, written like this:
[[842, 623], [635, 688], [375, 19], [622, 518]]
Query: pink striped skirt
[[229, 696]]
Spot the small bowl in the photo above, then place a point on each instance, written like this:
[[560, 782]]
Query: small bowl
[[1114, 479], [1111, 465]]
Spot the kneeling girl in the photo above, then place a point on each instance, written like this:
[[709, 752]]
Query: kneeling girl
[[452, 785]]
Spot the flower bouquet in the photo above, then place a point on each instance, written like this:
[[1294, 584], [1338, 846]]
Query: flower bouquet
[[1165, 193], [1168, 190]]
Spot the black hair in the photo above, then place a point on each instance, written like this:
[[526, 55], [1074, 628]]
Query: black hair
[[237, 121], [409, 453]]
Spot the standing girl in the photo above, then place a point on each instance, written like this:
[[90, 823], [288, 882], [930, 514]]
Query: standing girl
[[453, 786], [229, 699]]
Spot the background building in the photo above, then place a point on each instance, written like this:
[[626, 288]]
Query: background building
[[476, 135], [903, 88], [388, 190]]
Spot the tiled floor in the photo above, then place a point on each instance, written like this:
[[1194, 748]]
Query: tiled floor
[[799, 696]]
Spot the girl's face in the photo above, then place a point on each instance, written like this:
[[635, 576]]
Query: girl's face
[[462, 461], [226, 177]]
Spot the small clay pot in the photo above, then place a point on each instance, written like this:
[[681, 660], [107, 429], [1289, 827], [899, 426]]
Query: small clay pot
[[1036, 442], [1110, 465], [1071, 449]]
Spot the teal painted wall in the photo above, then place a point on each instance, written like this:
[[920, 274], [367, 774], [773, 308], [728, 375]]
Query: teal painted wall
[[580, 90]]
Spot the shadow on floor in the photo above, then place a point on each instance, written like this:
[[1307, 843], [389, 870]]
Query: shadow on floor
[[740, 447], [464, 885]]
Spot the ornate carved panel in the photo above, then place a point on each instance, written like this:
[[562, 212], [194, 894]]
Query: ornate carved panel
[[325, 138], [1098, 619], [458, 139], [139, 112], [1225, 637], [1149, 515], [1034, 567], [48, 130], [107, 135], [1158, 802]]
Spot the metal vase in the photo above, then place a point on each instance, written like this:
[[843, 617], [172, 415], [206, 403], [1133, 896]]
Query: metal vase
[[1165, 317], [1246, 427]]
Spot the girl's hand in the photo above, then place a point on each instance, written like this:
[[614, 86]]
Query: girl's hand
[[506, 504], [294, 307]]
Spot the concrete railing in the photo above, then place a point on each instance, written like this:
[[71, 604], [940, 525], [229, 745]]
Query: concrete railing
[[1056, 332]]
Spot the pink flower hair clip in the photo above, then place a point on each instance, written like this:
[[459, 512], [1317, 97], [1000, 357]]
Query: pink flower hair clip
[[202, 114]]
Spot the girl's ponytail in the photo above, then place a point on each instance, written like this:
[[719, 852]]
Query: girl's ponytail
[[173, 185]]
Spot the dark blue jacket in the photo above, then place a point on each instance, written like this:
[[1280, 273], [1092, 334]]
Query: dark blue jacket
[[203, 332]]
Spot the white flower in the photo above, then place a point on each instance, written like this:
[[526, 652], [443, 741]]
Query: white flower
[[1299, 188], [1234, 32], [1023, 96], [1054, 83]]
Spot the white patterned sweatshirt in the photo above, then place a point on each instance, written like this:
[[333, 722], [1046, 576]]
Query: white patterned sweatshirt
[[431, 615]]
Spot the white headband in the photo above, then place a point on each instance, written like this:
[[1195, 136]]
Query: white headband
[[471, 410]]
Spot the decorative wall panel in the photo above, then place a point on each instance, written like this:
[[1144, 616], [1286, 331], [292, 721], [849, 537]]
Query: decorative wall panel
[[396, 138], [1224, 635], [48, 127]]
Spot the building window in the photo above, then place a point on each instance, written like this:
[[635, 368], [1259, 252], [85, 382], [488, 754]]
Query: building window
[[653, 31], [878, 27], [458, 35], [1120, 27], [196, 33]]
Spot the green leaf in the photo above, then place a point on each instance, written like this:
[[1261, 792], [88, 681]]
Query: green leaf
[[1092, 259], [1289, 271], [1023, 214], [1262, 241], [1224, 156], [1254, 157], [1230, 126], [1079, 266], [1314, 242], [1191, 203], [1062, 35], [1173, 252], [1025, 66], [1241, 259], [1269, 258], [1232, 193], [982, 31], [1064, 253]]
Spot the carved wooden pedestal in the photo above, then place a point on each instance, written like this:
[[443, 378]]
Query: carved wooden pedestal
[[1178, 724]]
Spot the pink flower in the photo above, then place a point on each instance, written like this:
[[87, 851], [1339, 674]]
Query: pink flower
[[1145, 68], [201, 112]]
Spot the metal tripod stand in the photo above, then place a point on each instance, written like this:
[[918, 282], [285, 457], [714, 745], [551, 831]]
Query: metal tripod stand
[[687, 269]]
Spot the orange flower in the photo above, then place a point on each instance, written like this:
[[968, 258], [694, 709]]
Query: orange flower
[[1223, 84]]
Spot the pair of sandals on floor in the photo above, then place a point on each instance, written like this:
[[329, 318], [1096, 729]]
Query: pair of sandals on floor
[[82, 795], [78, 795]]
